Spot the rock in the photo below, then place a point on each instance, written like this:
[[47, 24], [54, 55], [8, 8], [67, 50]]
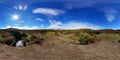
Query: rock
[[19, 43]]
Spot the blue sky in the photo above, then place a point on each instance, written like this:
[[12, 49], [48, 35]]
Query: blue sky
[[60, 14]]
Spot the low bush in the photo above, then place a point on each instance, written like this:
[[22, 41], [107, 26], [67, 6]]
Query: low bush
[[85, 39], [49, 34], [119, 41], [10, 40], [1, 37], [109, 36]]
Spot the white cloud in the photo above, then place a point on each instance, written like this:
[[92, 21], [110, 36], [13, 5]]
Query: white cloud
[[110, 17], [71, 25], [20, 7], [54, 24], [109, 13], [39, 19], [79, 25], [48, 11], [8, 27], [23, 27], [59, 25]]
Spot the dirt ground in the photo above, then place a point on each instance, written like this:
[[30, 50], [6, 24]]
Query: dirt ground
[[53, 49]]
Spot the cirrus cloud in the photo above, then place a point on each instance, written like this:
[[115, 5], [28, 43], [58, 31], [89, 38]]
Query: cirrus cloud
[[39, 19], [48, 11], [20, 7]]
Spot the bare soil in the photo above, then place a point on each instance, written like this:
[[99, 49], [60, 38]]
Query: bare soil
[[54, 49]]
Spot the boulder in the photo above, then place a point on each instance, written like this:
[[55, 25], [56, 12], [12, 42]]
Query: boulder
[[19, 43]]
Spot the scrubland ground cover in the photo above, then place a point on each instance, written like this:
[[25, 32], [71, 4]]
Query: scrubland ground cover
[[82, 44], [79, 37]]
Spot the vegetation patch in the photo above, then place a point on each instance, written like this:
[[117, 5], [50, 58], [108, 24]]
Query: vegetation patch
[[80, 37], [109, 36], [85, 38]]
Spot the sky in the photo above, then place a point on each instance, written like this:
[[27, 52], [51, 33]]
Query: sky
[[60, 14]]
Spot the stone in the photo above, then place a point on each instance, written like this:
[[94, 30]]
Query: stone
[[19, 43]]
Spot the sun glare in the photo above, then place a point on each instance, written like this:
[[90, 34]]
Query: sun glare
[[15, 17]]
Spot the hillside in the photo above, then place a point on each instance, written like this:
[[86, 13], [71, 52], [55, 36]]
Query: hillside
[[60, 44]]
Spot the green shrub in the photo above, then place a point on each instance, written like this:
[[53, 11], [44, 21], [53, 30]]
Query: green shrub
[[119, 41], [1, 37], [24, 39], [110, 36], [85, 38], [50, 34], [34, 40], [66, 38]]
